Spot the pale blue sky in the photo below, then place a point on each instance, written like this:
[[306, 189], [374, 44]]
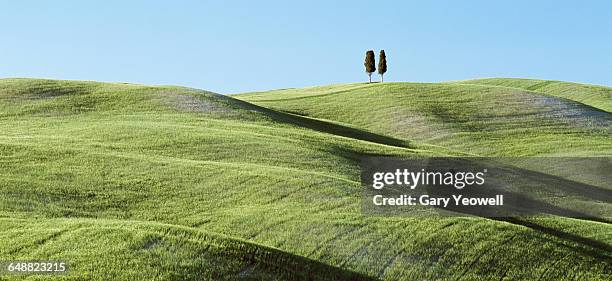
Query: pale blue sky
[[236, 46]]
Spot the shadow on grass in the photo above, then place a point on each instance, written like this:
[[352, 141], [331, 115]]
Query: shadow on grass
[[599, 250], [319, 125]]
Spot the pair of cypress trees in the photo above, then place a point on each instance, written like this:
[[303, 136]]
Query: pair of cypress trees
[[370, 64]]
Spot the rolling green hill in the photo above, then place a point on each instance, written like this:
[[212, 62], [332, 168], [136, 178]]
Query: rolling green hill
[[476, 119], [178, 183], [595, 96], [130, 250]]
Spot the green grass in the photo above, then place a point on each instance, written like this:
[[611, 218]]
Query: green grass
[[595, 96], [177, 183], [130, 250], [473, 119]]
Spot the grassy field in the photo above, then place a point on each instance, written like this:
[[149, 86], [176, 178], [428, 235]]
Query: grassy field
[[143, 182], [592, 95], [474, 119]]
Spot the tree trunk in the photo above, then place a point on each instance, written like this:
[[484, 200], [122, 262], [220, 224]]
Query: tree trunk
[[382, 78], [370, 77]]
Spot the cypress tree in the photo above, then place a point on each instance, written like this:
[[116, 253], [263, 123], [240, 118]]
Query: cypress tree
[[382, 65], [370, 64]]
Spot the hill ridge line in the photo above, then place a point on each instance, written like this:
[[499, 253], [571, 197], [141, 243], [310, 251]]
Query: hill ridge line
[[271, 257], [533, 92], [314, 95]]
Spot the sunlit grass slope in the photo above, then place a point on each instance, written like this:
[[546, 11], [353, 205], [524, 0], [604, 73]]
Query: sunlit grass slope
[[165, 178], [595, 96], [476, 119], [129, 250]]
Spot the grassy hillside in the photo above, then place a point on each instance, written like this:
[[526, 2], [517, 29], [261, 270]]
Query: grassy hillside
[[476, 119], [128, 250], [179, 183], [595, 96]]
